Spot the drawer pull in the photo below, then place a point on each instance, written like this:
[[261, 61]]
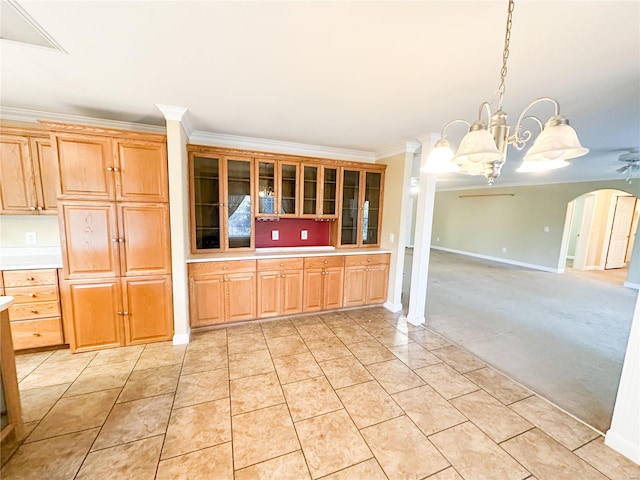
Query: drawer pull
[[36, 334], [369, 260], [325, 261], [32, 295], [34, 311], [282, 264], [224, 268], [31, 279]]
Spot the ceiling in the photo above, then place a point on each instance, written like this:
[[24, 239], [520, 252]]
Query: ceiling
[[344, 74]]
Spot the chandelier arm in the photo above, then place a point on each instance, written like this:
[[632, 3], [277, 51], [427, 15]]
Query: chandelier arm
[[457, 120], [519, 140], [485, 106]]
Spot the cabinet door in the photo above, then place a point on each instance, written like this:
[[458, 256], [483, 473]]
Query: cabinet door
[[350, 207], [310, 190], [269, 294], [142, 171], [240, 290], [238, 206], [292, 287], [288, 192], [46, 173], [145, 248], [371, 208], [90, 312], [86, 167], [330, 192], [377, 283], [206, 219], [17, 183], [333, 287], [313, 296], [266, 188], [206, 299], [148, 313], [89, 240], [355, 286]]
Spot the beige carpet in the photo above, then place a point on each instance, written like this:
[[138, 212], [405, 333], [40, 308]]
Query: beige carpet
[[562, 335]]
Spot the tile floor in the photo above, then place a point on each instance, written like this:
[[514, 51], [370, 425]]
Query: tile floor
[[350, 395]]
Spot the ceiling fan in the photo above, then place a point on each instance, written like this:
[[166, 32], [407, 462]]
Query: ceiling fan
[[631, 165]]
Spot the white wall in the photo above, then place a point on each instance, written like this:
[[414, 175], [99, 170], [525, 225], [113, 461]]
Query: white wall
[[14, 227]]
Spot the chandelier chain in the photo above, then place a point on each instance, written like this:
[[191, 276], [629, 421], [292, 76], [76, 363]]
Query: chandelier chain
[[505, 54]]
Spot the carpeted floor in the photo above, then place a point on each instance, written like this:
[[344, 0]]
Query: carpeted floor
[[562, 335]]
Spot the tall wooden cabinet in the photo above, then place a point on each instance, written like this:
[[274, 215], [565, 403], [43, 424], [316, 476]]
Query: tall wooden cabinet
[[114, 225], [28, 172]]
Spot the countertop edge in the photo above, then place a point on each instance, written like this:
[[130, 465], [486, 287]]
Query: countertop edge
[[221, 257]]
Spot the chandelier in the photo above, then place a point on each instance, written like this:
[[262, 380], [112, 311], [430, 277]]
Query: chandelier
[[483, 149]]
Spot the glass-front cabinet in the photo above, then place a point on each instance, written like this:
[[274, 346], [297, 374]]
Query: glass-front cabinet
[[222, 203], [361, 212], [319, 191], [266, 188], [288, 180]]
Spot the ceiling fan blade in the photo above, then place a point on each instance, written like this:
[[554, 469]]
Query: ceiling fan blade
[[623, 169]]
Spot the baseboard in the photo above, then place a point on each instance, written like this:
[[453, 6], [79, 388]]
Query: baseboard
[[623, 446], [415, 321], [392, 307], [635, 286], [181, 339], [499, 260]]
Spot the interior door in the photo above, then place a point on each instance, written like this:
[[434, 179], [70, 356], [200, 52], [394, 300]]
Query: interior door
[[620, 231], [582, 241]]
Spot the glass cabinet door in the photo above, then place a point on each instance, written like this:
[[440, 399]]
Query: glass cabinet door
[[371, 208], [309, 190], [206, 208], [288, 188], [266, 188], [350, 198], [329, 191], [238, 204]]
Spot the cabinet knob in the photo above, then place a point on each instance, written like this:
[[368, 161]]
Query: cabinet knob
[[114, 239], [34, 311], [224, 268], [31, 279], [109, 169], [40, 208], [282, 264], [121, 240], [368, 260], [325, 262], [32, 295], [123, 313], [116, 169], [32, 208], [36, 334]]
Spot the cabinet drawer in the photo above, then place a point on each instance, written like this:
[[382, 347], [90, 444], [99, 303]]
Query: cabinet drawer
[[23, 311], [36, 333], [377, 259], [222, 267], [280, 264], [315, 262], [25, 278], [33, 294]]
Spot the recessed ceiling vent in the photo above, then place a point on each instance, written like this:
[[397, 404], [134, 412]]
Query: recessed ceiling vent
[[16, 25]]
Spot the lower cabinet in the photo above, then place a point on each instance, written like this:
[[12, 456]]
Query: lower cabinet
[[366, 278], [323, 283], [114, 312], [280, 283], [222, 292]]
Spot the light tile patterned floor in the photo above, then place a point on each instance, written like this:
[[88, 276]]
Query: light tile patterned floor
[[344, 395]]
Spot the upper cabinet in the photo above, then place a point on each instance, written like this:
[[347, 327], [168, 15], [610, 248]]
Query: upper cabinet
[[104, 168], [319, 191], [221, 202], [361, 215], [28, 172], [277, 188]]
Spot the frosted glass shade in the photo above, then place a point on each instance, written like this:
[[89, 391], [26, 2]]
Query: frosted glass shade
[[555, 143], [472, 168], [477, 147], [439, 160]]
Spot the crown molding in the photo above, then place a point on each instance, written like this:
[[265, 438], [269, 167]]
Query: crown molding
[[397, 148], [33, 116], [277, 146], [178, 114]]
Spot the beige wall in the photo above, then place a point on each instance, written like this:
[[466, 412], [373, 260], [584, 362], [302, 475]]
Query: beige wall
[[395, 203], [13, 228], [481, 222]]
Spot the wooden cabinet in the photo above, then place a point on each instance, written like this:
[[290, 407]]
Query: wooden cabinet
[[35, 313], [114, 224], [28, 172], [323, 283], [366, 279], [319, 191], [221, 193], [277, 188], [94, 167], [222, 292], [361, 214], [280, 287]]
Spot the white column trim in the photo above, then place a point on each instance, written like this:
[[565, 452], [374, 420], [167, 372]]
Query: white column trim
[[178, 114]]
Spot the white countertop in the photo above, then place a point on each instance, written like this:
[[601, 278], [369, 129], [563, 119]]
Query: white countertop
[[268, 253], [5, 302]]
